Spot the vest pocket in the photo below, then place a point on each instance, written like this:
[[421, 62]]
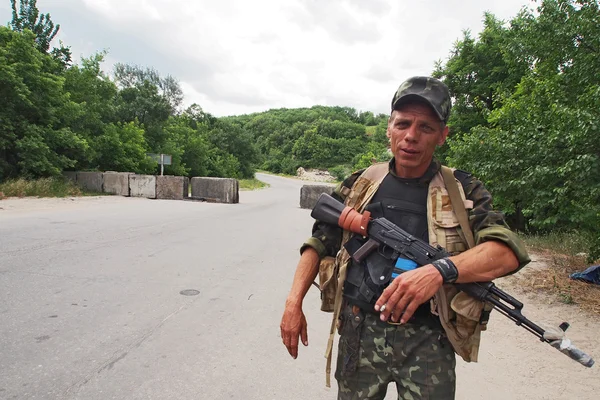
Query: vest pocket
[[445, 222], [328, 283]]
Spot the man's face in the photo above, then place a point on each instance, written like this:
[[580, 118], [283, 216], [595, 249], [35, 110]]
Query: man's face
[[414, 131]]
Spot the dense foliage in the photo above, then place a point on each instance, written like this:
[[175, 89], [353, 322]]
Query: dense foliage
[[337, 138], [527, 121], [58, 116]]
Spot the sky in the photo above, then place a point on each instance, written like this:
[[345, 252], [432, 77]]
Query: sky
[[235, 57]]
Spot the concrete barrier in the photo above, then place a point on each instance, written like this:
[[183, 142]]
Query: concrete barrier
[[116, 183], [142, 186], [220, 190], [90, 181], [172, 187], [309, 194]]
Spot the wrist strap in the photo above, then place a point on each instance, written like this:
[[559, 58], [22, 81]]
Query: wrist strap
[[447, 269]]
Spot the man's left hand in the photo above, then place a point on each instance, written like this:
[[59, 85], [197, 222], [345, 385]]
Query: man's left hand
[[407, 292]]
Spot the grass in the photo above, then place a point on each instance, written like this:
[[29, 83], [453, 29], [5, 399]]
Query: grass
[[252, 184], [44, 187], [564, 253]]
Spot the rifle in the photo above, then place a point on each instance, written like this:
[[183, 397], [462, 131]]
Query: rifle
[[387, 238]]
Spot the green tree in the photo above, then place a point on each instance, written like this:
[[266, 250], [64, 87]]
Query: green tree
[[122, 148], [130, 76], [35, 136], [539, 150], [28, 17]]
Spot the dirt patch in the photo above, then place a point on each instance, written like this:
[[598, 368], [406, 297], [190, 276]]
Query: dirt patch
[[314, 175], [548, 275]]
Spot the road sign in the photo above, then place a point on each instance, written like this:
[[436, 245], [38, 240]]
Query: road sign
[[161, 159]]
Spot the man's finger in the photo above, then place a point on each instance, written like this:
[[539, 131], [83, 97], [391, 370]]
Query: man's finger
[[409, 311], [385, 296], [294, 345], [400, 307], [304, 334], [390, 304]]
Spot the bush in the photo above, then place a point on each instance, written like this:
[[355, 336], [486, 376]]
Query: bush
[[339, 172], [44, 187]]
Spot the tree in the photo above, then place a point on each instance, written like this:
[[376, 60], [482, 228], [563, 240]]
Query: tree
[[131, 76], [28, 17], [35, 134], [538, 150]]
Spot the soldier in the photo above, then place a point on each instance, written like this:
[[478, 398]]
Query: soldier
[[397, 336]]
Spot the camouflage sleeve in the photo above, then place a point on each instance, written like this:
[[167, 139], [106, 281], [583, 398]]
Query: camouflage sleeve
[[486, 223], [326, 239]]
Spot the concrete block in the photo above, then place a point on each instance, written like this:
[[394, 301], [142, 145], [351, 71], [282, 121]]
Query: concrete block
[[309, 194], [172, 187], [142, 186], [116, 183], [70, 175], [220, 190], [90, 181]]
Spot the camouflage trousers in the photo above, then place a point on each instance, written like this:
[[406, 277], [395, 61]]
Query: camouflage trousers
[[372, 354]]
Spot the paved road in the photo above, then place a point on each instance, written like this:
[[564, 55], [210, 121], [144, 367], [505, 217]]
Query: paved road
[[90, 303]]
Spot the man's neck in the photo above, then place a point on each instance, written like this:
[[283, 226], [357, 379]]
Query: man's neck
[[426, 176]]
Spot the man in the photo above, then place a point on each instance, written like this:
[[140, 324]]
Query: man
[[396, 337]]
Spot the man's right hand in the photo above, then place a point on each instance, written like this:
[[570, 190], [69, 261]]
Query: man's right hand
[[293, 325]]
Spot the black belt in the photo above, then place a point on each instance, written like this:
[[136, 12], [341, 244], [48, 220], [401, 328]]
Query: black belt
[[422, 315]]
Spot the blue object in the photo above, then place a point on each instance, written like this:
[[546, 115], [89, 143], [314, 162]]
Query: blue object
[[403, 264], [591, 275]]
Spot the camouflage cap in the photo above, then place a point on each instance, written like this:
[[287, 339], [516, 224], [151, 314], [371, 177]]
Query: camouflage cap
[[432, 90]]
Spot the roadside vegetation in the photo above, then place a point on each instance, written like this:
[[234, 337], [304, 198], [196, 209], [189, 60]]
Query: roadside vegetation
[[252, 184], [43, 187], [565, 253]]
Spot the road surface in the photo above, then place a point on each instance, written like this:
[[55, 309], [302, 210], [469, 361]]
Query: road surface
[[123, 298]]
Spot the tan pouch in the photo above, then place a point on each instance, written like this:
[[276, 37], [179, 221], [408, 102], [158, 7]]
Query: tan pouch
[[328, 283], [460, 316]]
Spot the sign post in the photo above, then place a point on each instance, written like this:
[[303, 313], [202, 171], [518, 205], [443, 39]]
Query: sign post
[[162, 159]]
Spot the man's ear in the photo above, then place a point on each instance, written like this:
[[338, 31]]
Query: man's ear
[[444, 136]]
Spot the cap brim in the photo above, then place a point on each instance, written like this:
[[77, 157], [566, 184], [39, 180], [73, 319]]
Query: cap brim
[[413, 96]]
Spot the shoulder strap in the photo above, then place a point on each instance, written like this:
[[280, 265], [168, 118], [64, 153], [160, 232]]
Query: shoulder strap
[[457, 204], [375, 173]]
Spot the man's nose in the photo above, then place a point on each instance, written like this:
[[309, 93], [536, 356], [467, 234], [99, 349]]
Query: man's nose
[[412, 133]]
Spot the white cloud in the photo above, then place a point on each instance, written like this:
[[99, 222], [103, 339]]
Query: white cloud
[[238, 56]]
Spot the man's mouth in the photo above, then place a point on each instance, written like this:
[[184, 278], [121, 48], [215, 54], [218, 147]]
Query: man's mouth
[[410, 151]]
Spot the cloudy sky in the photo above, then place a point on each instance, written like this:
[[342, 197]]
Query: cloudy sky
[[239, 56]]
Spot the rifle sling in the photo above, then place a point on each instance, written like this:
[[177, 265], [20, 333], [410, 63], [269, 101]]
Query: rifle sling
[[458, 205]]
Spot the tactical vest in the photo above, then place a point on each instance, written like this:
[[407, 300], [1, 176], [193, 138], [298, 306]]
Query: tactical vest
[[460, 315], [402, 204]]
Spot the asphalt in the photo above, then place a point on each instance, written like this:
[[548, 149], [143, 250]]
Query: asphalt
[[150, 299]]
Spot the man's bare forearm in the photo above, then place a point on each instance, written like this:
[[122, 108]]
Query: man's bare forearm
[[485, 262], [306, 272]]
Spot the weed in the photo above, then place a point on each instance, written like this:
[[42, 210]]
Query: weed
[[44, 187]]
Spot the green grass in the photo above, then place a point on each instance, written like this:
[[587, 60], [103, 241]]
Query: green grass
[[252, 184], [567, 243], [44, 187]]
